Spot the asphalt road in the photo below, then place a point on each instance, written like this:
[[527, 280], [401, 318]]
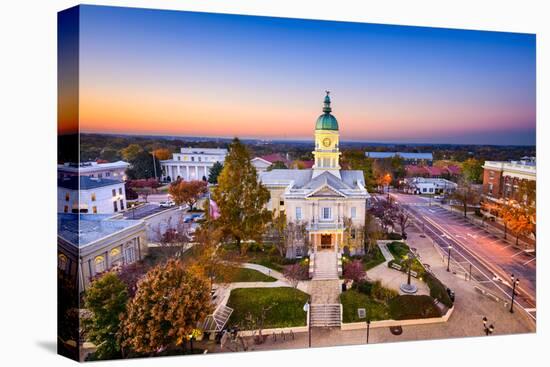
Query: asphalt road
[[490, 259], [143, 211]]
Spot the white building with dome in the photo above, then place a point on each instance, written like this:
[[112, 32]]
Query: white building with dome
[[321, 197]]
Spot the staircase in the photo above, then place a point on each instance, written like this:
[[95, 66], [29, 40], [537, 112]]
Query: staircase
[[326, 265], [325, 315]]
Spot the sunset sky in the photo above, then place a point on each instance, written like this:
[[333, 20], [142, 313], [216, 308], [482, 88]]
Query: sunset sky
[[195, 74]]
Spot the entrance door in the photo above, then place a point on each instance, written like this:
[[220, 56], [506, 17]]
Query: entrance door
[[326, 241]]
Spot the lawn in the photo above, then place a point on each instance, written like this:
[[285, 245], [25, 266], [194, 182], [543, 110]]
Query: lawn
[[261, 254], [247, 275], [286, 306], [400, 250], [373, 258], [352, 300]]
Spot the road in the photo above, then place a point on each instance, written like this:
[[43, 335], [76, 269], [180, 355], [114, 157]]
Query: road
[[490, 259]]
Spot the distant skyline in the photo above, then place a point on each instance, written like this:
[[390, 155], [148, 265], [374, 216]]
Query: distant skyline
[[153, 72]]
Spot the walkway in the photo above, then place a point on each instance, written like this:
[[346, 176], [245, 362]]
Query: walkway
[[326, 265]]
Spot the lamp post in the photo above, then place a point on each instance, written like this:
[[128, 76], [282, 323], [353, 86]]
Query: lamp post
[[307, 309], [488, 329], [515, 282], [449, 258], [368, 330]]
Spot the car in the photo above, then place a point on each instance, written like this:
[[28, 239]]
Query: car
[[167, 204], [197, 217]]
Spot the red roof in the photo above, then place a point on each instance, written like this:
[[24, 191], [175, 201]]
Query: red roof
[[435, 171], [454, 170], [413, 170], [275, 157]]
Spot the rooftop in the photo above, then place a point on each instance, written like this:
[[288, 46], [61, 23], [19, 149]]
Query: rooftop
[[81, 230], [86, 183], [85, 167]]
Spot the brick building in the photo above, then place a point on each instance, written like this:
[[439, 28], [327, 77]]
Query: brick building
[[504, 180]]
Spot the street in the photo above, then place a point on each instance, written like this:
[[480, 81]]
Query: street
[[489, 259]]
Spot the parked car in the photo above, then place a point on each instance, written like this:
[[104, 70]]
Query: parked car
[[197, 217], [167, 204]]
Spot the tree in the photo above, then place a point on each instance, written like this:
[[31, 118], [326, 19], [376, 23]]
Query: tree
[[169, 304], [356, 160], [187, 192], [466, 194], [354, 270], [277, 165], [278, 232], [241, 198], [141, 166], [162, 154], [131, 152], [521, 224], [472, 170], [354, 236], [402, 218], [215, 172], [106, 300], [294, 273]]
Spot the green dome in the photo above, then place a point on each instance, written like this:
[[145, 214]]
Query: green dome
[[326, 121]]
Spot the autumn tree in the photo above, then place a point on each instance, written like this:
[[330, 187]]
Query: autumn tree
[[187, 192], [294, 273], [277, 165], [162, 154], [521, 224], [106, 300], [354, 270], [169, 304], [472, 170], [353, 236], [131, 152], [215, 171], [241, 198]]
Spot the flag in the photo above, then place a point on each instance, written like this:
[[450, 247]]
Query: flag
[[214, 210]]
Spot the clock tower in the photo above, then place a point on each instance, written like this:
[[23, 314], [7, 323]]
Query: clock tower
[[326, 153]]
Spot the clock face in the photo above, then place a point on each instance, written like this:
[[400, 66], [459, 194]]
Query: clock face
[[326, 142]]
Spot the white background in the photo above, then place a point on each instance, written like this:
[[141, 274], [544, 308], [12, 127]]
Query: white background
[[28, 181]]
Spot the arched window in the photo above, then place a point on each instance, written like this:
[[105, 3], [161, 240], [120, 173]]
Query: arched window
[[100, 264], [62, 262]]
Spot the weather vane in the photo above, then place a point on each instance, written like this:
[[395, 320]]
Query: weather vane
[[327, 92]]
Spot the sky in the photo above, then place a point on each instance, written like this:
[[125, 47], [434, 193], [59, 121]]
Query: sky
[[198, 74]]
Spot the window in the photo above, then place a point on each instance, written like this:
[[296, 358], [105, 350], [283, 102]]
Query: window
[[120, 190], [199, 159], [116, 256], [108, 174], [353, 213], [114, 192], [93, 196], [326, 213], [281, 202], [179, 158], [129, 255], [352, 233], [298, 213], [62, 262], [94, 209], [423, 189], [67, 196], [99, 264], [192, 159], [431, 189], [100, 175], [490, 187], [115, 206], [66, 209], [121, 204]]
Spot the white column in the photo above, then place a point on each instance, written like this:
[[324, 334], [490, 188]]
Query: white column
[[187, 173], [196, 172], [179, 170]]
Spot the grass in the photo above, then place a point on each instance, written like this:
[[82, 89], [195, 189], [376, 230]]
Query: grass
[[409, 307], [261, 254], [400, 250], [286, 306], [247, 275], [373, 258], [352, 300]]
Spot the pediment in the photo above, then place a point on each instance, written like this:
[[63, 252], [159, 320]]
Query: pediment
[[326, 191]]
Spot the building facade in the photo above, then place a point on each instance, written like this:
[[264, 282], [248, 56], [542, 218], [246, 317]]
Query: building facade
[[89, 245], [507, 180], [90, 195], [324, 198], [429, 186], [110, 170], [191, 163]]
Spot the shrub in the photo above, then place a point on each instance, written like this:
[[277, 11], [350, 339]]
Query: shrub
[[363, 286], [409, 307], [438, 290], [354, 270], [381, 293], [394, 236]]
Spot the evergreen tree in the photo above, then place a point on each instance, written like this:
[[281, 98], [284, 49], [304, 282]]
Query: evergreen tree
[[215, 172], [241, 198]]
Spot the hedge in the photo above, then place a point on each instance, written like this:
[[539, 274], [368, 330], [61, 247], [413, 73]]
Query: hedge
[[438, 290], [408, 307]]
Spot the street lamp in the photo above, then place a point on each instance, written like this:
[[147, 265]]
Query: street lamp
[[515, 282], [449, 258], [488, 329], [307, 309]]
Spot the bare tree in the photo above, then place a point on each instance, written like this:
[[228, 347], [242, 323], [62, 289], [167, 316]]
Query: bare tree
[[402, 217], [467, 194]]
